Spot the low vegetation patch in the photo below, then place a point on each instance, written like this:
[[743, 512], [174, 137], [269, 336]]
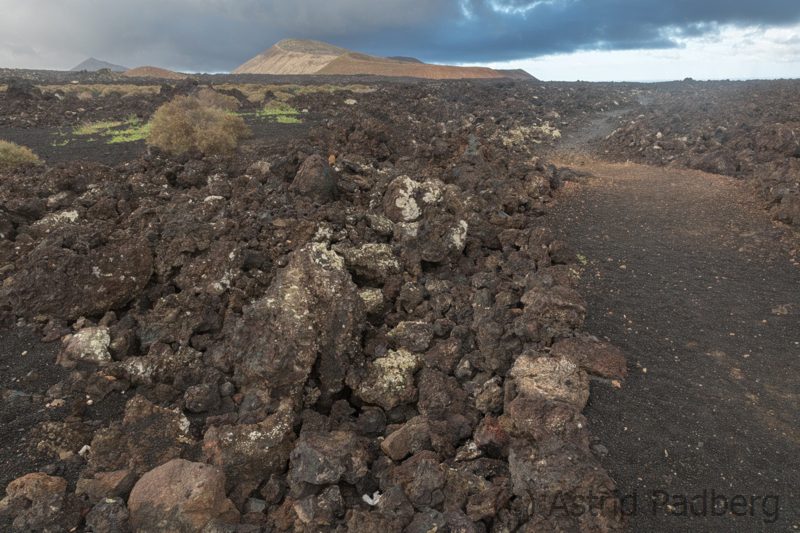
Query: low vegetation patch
[[87, 91], [287, 119], [131, 132], [13, 156], [131, 129], [258, 92], [186, 124], [277, 111], [97, 128]]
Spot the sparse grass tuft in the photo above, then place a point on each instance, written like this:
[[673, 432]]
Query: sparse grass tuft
[[134, 132], [288, 119], [186, 123], [277, 109], [280, 112], [131, 129], [97, 128], [13, 156]]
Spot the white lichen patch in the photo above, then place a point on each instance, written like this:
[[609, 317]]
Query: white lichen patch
[[59, 218], [458, 236], [557, 379], [521, 136], [405, 202], [548, 130], [184, 427], [324, 233], [139, 370], [390, 379], [327, 259], [89, 345], [431, 192], [373, 300], [408, 230]]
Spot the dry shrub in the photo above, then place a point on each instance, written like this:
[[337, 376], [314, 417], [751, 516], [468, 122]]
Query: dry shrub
[[13, 156], [212, 98], [186, 124]]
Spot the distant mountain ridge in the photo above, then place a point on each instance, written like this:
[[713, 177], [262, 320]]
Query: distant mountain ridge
[[153, 72], [93, 65], [307, 57]]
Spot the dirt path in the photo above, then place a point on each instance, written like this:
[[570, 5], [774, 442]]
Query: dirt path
[[580, 140], [687, 276]]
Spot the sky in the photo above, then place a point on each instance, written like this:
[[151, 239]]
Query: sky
[[592, 40]]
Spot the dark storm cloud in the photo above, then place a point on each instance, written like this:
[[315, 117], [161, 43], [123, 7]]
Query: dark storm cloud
[[220, 34]]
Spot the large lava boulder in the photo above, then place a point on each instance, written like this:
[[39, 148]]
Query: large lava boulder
[[316, 180], [311, 314], [180, 496]]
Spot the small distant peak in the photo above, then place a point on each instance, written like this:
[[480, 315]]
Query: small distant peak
[[93, 64]]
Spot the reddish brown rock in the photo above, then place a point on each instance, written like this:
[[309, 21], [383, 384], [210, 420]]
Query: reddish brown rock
[[38, 502], [538, 419], [487, 503], [106, 485], [422, 478], [179, 496], [411, 437], [595, 357], [550, 378], [490, 435]]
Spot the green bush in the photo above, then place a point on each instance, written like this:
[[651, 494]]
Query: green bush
[[14, 156], [186, 123]]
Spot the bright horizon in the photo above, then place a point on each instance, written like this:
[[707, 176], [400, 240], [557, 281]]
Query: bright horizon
[[733, 53]]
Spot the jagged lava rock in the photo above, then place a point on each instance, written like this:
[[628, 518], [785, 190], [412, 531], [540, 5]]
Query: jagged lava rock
[[595, 357], [38, 502], [316, 180], [550, 378], [389, 380], [311, 311]]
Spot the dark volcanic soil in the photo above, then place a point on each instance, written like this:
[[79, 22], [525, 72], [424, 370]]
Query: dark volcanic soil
[[687, 277]]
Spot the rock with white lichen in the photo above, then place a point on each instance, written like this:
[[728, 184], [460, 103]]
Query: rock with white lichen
[[389, 380], [557, 379], [89, 345], [373, 261], [311, 315]]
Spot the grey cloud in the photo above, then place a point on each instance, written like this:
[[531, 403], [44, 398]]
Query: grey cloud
[[210, 35]]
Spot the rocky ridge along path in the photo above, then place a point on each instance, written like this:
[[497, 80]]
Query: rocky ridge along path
[[686, 273]]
